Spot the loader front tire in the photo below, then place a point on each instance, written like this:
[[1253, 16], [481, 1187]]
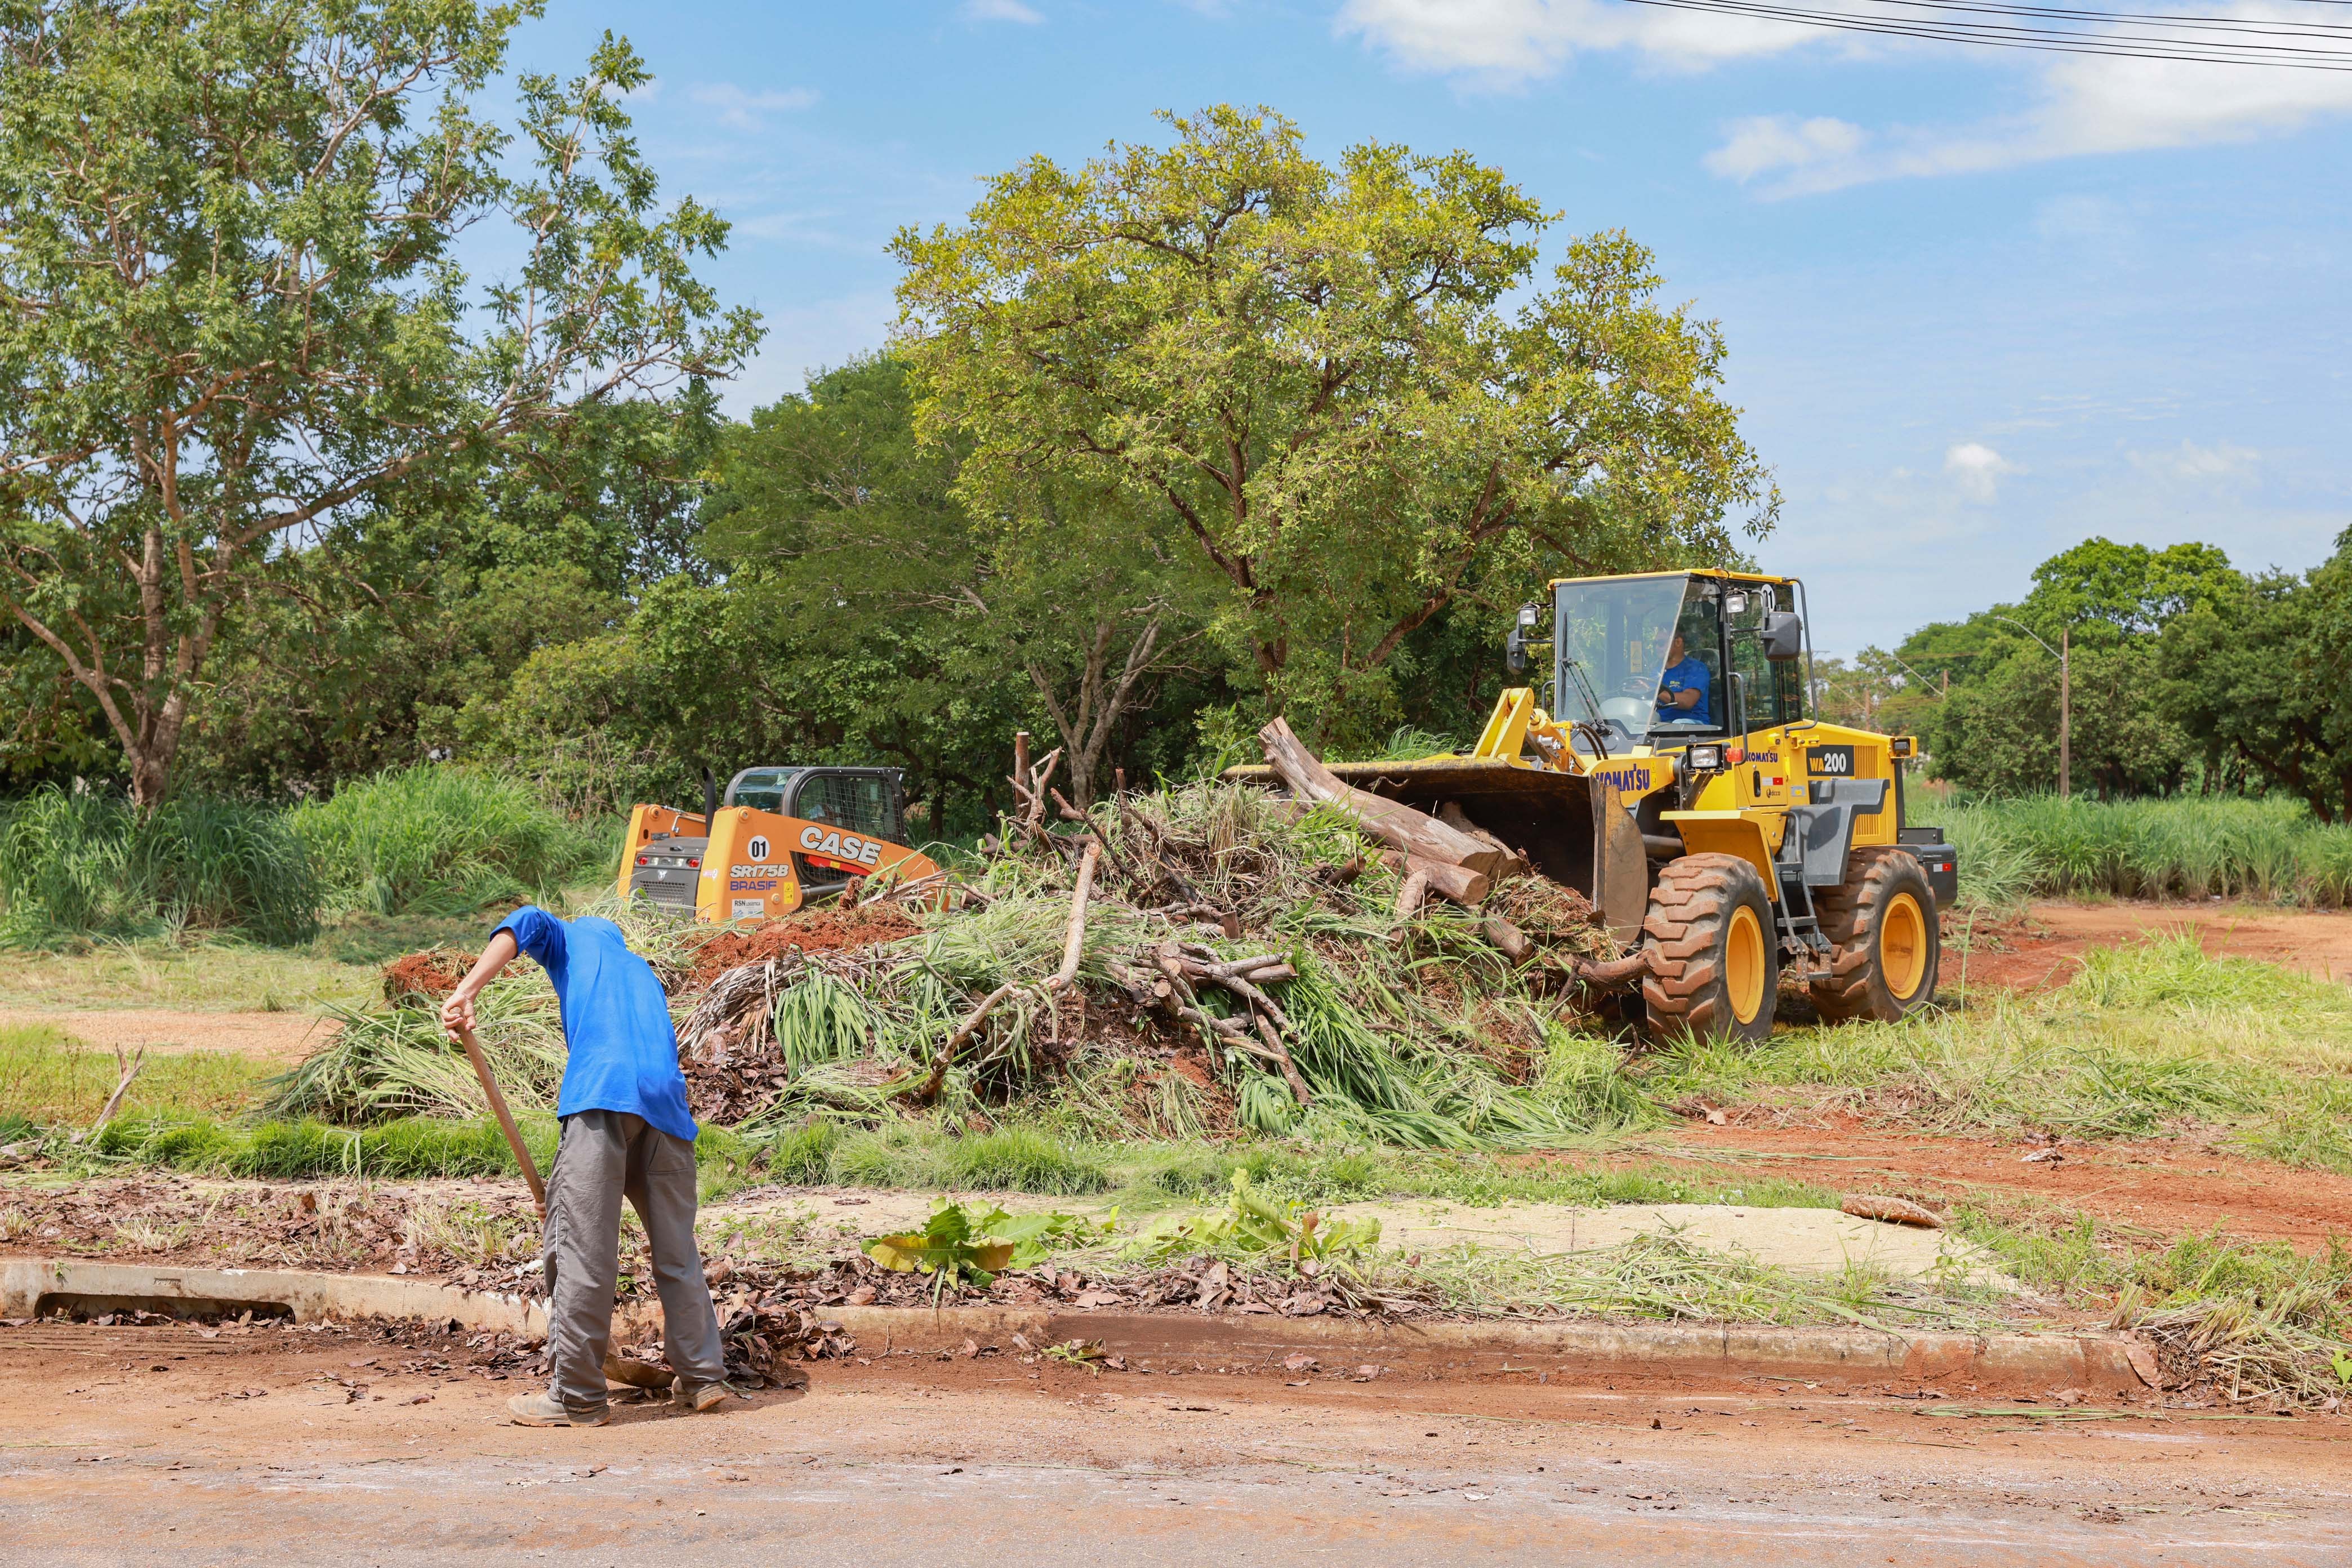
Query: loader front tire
[[1714, 952], [1884, 945]]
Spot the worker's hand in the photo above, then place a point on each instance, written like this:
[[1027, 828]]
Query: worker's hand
[[457, 1013]]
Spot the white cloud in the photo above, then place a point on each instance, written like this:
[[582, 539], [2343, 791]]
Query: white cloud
[[2084, 104], [1779, 142], [750, 111], [2191, 461], [1976, 470], [1001, 11], [1506, 42]]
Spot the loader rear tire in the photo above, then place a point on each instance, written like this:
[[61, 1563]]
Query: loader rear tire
[[1885, 947], [1714, 952]]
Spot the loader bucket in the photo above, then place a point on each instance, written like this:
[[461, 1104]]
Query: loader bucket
[[1572, 827]]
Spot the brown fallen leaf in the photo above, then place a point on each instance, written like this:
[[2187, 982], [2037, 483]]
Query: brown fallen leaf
[[2144, 1363], [1301, 1361], [633, 1373]]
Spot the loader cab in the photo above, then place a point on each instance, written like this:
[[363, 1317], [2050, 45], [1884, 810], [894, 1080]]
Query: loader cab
[[1664, 659]]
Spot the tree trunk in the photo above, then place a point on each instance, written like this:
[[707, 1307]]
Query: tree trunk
[[1420, 837], [1087, 723]]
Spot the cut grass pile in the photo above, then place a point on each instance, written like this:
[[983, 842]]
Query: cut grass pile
[[49, 1078], [2267, 851], [1418, 1036], [2255, 1321]]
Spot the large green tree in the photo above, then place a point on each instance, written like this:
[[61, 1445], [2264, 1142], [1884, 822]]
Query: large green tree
[[1308, 375], [852, 531], [1986, 693], [2263, 678], [232, 316]]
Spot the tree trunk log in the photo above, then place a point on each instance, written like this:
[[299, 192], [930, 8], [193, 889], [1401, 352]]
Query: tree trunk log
[[1418, 833]]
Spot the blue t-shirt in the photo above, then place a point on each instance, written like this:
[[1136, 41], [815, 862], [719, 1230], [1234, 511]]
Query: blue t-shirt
[[622, 1047], [1690, 675]]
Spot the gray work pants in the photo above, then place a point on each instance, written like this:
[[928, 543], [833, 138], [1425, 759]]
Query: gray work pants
[[602, 1157]]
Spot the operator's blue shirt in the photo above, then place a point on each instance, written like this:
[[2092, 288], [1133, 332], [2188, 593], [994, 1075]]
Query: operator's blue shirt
[[622, 1047], [1690, 675]]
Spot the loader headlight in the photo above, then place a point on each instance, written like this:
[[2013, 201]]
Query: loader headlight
[[1900, 745], [1704, 759]]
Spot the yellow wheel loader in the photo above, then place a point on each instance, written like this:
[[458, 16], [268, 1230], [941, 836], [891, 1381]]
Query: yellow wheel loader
[[1678, 780], [781, 838]]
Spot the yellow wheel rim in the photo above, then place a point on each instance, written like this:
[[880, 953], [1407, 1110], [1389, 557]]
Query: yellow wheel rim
[[1903, 947], [1744, 964]]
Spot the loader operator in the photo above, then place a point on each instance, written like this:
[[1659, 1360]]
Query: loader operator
[[1682, 689], [627, 1133]]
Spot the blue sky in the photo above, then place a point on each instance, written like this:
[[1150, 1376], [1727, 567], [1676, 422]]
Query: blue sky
[[1980, 304]]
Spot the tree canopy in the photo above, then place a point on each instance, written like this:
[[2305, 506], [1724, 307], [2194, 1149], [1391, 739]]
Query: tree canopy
[[1307, 374], [236, 314]]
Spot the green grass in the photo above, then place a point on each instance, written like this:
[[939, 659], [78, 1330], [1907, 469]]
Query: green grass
[[47, 1078], [2149, 1037], [2267, 850], [439, 839], [413, 1149], [86, 864]]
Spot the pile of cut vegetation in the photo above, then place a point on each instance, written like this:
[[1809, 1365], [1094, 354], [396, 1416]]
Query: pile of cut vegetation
[[1236, 960]]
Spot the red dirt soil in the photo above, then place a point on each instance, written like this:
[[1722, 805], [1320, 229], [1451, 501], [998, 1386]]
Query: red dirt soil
[[820, 931], [432, 975], [2172, 1188], [2044, 949]]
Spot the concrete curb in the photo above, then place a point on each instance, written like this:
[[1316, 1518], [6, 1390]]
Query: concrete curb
[[1637, 1352], [27, 1284]]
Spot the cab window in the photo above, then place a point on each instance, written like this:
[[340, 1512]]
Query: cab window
[[1774, 692]]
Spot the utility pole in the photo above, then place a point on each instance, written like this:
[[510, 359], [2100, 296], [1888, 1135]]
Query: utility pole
[[2065, 715], [2064, 654]]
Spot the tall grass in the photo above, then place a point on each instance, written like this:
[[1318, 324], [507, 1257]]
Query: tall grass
[[2267, 851], [87, 864], [435, 839]]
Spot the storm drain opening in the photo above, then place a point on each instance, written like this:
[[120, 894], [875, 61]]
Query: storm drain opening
[[83, 1306]]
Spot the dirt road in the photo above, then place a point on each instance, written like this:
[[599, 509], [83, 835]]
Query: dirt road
[[247, 1448], [277, 1037], [2045, 948], [2163, 1187]]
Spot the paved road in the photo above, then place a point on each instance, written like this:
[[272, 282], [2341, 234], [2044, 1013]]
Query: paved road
[[263, 1457]]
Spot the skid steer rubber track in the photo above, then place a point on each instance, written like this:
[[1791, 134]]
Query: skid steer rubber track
[[1885, 947], [1713, 955]]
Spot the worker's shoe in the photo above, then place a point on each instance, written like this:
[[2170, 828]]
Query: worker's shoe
[[703, 1397], [546, 1410]]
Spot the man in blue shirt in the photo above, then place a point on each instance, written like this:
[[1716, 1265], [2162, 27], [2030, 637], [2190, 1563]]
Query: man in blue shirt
[[627, 1132], [1682, 691]]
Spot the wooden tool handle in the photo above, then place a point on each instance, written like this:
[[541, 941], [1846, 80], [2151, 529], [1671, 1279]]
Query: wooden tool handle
[[506, 1118]]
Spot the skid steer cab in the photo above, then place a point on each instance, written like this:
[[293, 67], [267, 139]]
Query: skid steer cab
[[781, 838], [1676, 776]]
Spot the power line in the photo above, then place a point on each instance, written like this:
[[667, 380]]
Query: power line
[[2162, 47]]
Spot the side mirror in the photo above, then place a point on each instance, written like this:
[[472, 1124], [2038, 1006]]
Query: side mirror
[[1515, 647], [1783, 634]]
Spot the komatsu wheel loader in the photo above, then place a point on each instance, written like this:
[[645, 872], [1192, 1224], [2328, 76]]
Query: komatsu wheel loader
[[1677, 779], [780, 838]]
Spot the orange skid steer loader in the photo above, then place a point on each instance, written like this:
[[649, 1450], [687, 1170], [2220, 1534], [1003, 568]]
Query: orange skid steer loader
[[780, 840]]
